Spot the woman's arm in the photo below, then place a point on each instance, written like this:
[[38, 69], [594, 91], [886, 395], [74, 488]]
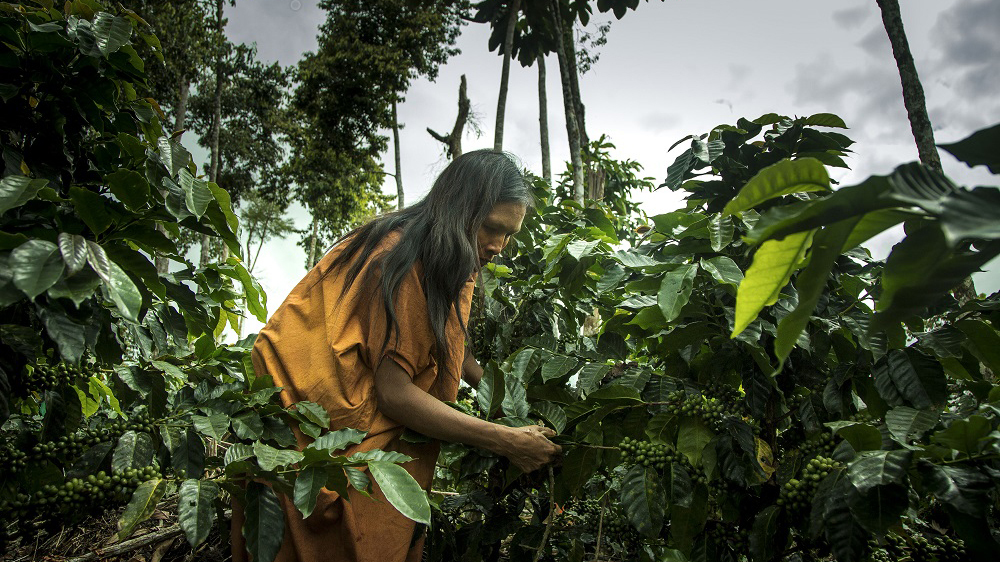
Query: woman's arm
[[472, 372], [401, 400]]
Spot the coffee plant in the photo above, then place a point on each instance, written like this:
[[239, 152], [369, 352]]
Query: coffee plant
[[740, 379], [115, 388]]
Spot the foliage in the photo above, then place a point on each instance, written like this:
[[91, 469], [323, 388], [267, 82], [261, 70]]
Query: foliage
[[735, 383], [113, 386]]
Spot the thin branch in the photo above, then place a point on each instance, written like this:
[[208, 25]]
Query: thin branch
[[552, 512], [600, 528]]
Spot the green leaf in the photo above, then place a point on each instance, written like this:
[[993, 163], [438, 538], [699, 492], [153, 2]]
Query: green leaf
[[134, 450], [264, 526], [721, 230], [130, 187], [846, 536], [826, 248], [337, 440], [824, 120], [187, 453], [910, 376], [73, 249], [490, 393], [675, 290], [515, 399], [985, 341], [578, 465], [248, 426], [92, 208], [692, 438], [724, 270], [772, 267], [680, 488], [215, 426], [314, 413], [878, 468], [964, 489], [18, 190], [197, 195], [35, 265], [643, 500], [270, 458], [874, 223], [124, 292], [590, 375], [173, 154], [69, 336], [964, 435], [98, 260], [308, 485], [767, 540], [907, 423], [881, 507], [111, 32], [402, 491], [980, 148], [558, 366], [195, 509], [380, 456], [551, 413], [861, 436], [359, 481], [783, 178], [141, 506]]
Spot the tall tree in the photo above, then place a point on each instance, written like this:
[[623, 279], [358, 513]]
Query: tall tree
[[543, 122], [569, 104], [453, 140], [913, 90], [507, 54]]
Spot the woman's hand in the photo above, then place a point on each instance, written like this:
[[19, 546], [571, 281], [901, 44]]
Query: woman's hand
[[528, 447]]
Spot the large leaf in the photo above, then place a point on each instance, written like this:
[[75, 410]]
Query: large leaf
[[558, 366], [195, 509], [826, 248], [130, 187], [772, 267], [123, 292], [141, 506], [721, 230], [578, 465], [643, 500], [197, 194], [35, 266], [965, 435], [784, 178], [908, 376], [111, 32], [337, 440], [980, 148], [845, 534], [907, 423], [692, 438], [724, 270], [187, 453], [215, 426], [308, 485], [270, 458], [134, 450], [964, 489], [879, 468], [73, 249], [264, 526], [402, 491], [767, 539], [490, 393], [675, 290], [18, 190]]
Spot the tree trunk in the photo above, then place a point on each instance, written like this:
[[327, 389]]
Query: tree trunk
[[913, 91], [213, 174], [312, 244], [543, 122], [574, 82], [572, 131], [916, 107], [395, 142], [505, 73], [453, 140]]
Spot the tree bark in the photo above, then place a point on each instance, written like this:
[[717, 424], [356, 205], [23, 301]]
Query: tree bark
[[543, 122], [395, 143], [572, 130], [505, 73], [574, 82], [312, 244], [453, 140], [913, 91], [213, 174]]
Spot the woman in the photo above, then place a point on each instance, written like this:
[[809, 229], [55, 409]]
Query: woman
[[376, 334]]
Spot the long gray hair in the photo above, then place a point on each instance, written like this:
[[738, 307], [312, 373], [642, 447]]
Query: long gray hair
[[440, 232]]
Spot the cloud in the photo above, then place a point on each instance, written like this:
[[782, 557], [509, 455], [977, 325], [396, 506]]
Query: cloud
[[658, 122], [282, 29], [852, 17]]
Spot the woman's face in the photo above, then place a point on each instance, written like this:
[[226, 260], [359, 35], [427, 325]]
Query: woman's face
[[503, 222]]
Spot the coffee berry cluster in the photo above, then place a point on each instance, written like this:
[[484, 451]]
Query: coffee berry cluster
[[919, 547], [711, 410], [655, 455], [797, 493], [42, 377]]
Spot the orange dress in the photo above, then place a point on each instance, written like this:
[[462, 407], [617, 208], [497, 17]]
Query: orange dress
[[323, 346]]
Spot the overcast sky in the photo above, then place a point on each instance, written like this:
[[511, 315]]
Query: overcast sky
[[681, 67]]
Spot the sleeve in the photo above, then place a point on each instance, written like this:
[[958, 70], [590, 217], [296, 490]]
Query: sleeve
[[411, 346]]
